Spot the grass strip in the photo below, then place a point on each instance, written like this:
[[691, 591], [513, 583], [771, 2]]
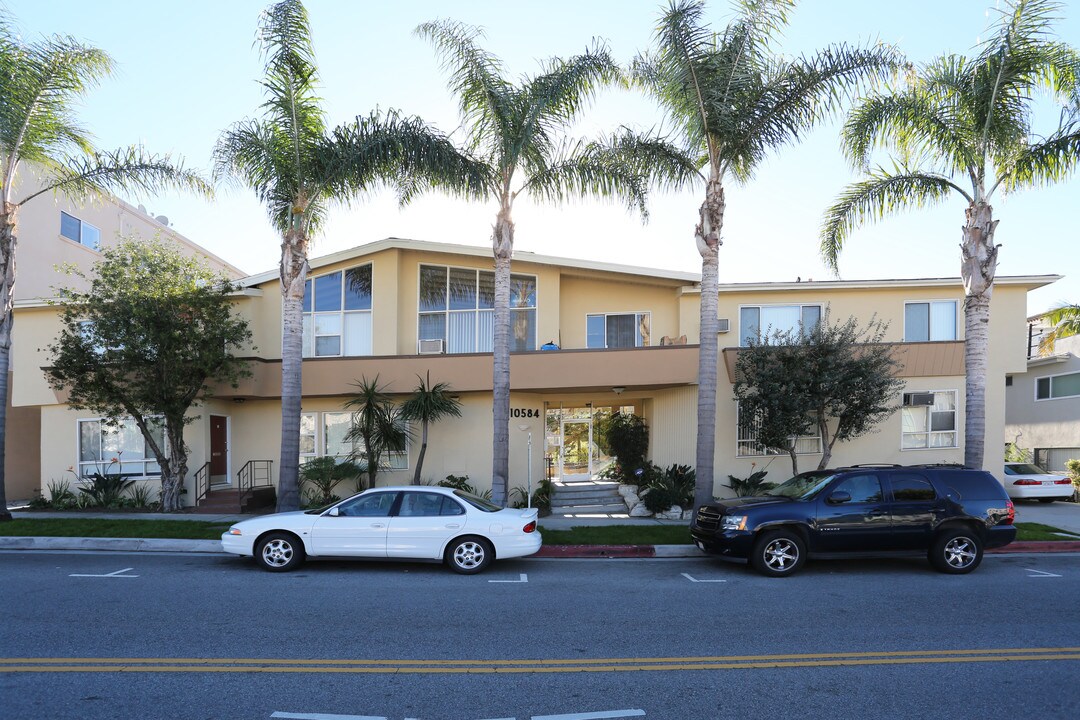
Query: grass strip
[[119, 528], [1037, 531]]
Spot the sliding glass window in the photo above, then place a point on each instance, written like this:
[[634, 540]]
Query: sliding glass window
[[457, 315], [337, 314]]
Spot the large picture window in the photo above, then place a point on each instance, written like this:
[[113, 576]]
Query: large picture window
[[457, 309], [757, 321], [106, 448], [1057, 386], [930, 321], [929, 425], [618, 330], [337, 314], [336, 426]]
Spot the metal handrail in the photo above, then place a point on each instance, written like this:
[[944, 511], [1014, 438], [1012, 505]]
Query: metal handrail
[[202, 483], [255, 473]]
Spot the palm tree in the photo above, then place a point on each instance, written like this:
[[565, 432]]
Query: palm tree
[[517, 130], [732, 101], [963, 125], [378, 424], [41, 84], [298, 168], [1064, 322], [428, 403]]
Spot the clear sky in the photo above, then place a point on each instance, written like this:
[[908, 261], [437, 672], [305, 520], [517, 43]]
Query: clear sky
[[187, 70]]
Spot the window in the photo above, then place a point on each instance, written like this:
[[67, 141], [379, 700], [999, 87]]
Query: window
[[457, 306], [756, 321], [747, 444], [374, 505], [424, 504], [337, 314], [79, 231], [623, 330], [930, 321], [931, 425], [861, 488], [336, 426], [307, 436], [908, 488], [1057, 386], [106, 448]]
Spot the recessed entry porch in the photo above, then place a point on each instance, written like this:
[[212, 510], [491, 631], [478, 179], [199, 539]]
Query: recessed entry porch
[[576, 455]]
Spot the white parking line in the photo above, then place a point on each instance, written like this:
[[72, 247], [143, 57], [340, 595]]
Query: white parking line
[[691, 578], [1040, 573], [523, 578], [324, 716], [593, 715], [117, 574]]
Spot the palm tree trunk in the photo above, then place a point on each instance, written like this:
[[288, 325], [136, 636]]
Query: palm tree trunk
[[707, 235], [423, 451], [502, 242], [294, 269], [978, 268], [8, 224]]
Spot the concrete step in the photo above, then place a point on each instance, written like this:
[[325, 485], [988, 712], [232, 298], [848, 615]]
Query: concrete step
[[589, 489], [558, 501], [609, 509]]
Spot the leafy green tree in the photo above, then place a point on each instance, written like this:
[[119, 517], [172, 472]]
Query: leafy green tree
[[838, 381], [1064, 322], [517, 130], [427, 404], [41, 84], [298, 168], [733, 101], [154, 330], [378, 425], [963, 125]]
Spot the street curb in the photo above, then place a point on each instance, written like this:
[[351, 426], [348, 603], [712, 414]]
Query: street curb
[[547, 551]]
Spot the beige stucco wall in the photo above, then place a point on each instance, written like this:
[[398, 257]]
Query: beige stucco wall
[[583, 296]]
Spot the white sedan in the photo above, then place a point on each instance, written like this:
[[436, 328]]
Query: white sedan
[[410, 523], [1024, 481]]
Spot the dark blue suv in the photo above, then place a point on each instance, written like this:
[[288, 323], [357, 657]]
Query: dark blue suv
[[948, 512]]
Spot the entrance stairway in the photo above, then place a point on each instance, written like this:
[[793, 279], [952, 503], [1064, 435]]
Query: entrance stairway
[[226, 501], [587, 497]]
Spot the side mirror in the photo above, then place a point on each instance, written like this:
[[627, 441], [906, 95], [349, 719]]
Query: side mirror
[[839, 498], [333, 512]]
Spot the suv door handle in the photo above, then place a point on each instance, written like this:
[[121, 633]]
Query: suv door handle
[[877, 513]]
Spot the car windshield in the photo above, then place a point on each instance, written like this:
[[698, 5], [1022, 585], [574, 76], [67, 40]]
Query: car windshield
[[1024, 469], [478, 503], [803, 486]]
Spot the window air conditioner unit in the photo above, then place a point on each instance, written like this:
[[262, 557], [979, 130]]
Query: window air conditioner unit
[[723, 325], [431, 347], [918, 399]]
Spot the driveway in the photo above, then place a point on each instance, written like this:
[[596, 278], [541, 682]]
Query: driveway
[[1064, 515]]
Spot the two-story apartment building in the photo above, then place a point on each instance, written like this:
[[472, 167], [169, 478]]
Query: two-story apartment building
[[588, 338], [55, 231]]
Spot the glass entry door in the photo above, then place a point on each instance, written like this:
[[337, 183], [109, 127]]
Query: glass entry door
[[576, 458]]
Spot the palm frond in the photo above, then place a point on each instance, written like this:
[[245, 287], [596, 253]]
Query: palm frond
[[476, 77], [879, 195], [590, 169], [256, 153], [1044, 163], [656, 158], [1064, 322], [129, 169], [39, 84]]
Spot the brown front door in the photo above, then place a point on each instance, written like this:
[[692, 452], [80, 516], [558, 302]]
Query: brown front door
[[219, 448]]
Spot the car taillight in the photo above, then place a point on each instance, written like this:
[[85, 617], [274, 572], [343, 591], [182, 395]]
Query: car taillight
[[531, 527], [1012, 512], [1027, 482], [1063, 481]]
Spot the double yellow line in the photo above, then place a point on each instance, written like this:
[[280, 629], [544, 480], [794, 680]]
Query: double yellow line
[[652, 664]]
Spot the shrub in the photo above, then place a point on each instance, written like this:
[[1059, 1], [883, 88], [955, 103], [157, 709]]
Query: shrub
[[1073, 466], [681, 479], [628, 438], [105, 489], [541, 498], [659, 498], [319, 476], [141, 496], [750, 486], [461, 482], [60, 494]]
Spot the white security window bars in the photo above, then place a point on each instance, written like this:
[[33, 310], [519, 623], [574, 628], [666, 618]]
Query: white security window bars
[[618, 330], [930, 321], [337, 313], [929, 423], [117, 448], [748, 445], [757, 321], [456, 310], [79, 231]]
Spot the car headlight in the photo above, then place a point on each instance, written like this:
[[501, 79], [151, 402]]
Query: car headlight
[[734, 522], [235, 531]]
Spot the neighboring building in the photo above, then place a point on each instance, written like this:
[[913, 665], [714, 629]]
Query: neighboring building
[[626, 337], [1042, 403], [53, 232]]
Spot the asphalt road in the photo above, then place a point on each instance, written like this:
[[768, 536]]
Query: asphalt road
[[154, 636]]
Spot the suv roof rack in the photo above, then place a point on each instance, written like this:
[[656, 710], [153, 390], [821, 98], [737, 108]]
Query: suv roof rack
[[874, 465], [956, 466]]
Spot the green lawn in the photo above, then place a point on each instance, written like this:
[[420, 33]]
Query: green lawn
[[1038, 531], [96, 527]]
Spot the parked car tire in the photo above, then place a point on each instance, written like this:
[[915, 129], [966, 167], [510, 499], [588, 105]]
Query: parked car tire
[[279, 552], [778, 553], [956, 552], [469, 555]]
